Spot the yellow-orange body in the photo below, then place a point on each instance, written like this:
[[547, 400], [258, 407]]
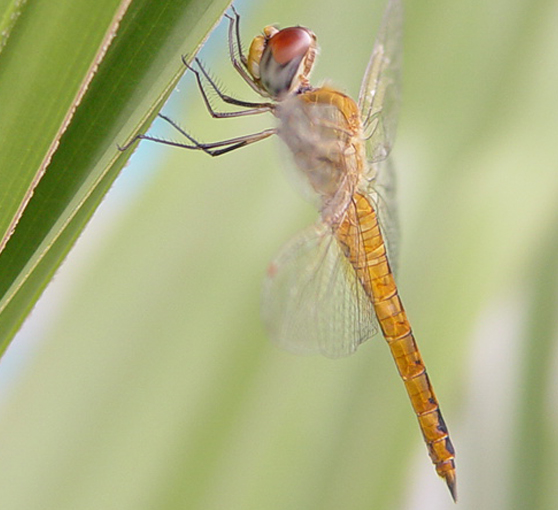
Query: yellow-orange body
[[361, 237], [333, 160], [330, 285]]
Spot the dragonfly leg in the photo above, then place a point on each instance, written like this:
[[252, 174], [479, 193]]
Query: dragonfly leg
[[238, 38], [212, 148], [223, 146], [125, 147], [239, 63], [250, 107]]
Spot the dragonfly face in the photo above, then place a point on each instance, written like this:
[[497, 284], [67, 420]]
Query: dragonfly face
[[332, 287], [280, 61]]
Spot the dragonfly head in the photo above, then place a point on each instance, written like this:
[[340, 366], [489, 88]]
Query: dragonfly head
[[280, 61]]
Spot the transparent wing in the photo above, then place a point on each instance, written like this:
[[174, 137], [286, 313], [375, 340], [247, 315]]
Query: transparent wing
[[382, 191], [381, 87], [312, 299]]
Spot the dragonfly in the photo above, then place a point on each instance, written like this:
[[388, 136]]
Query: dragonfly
[[333, 285]]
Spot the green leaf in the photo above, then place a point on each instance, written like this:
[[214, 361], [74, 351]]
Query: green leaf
[[156, 386], [122, 89], [47, 63]]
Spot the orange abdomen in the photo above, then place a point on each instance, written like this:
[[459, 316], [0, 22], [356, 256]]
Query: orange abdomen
[[361, 238]]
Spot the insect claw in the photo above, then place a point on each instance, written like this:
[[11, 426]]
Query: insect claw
[[185, 62]]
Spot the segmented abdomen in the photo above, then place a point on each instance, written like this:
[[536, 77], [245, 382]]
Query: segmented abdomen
[[361, 238]]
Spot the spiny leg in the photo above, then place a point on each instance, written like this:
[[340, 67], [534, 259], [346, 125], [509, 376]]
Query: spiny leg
[[251, 108], [218, 148], [239, 65], [213, 148], [238, 39], [233, 143]]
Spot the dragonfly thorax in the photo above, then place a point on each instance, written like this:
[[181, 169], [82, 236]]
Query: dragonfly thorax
[[280, 61], [322, 129]]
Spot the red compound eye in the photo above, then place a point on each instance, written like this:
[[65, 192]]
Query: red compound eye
[[289, 44]]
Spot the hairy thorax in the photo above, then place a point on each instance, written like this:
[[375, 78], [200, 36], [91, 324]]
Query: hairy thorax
[[322, 129]]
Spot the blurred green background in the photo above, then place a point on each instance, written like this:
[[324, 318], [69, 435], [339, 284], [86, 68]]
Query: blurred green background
[[144, 379]]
